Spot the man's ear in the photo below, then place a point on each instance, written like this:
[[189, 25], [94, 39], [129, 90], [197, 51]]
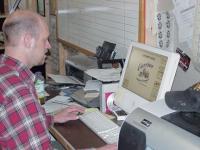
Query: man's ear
[[29, 41]]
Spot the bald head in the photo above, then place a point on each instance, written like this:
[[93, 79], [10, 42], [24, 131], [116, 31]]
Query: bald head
[[26, 37], [19, 23]]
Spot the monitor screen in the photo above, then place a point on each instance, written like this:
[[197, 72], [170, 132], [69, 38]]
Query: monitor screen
[[144, 73], [148, 73]]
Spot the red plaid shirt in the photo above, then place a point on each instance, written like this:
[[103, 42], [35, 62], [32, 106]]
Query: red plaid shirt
[[23, 122]]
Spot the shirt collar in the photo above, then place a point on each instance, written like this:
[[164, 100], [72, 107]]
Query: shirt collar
[[22, 70]]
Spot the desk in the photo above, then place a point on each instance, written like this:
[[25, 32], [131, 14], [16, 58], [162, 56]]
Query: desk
[[75, 135]]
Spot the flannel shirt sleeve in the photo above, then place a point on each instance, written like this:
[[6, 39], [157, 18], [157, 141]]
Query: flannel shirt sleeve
[[23, 123], [49, 118]]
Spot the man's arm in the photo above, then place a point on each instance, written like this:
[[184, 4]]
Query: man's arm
[[22, 124]]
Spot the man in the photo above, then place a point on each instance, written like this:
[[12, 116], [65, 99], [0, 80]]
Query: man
[[23, 122]]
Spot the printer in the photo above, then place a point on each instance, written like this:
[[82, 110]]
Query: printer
[[144, 131]]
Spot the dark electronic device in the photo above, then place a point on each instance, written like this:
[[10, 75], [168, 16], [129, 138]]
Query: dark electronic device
[[105, 55], [104, 52], [142, 130], [120, 114], [189, 121]]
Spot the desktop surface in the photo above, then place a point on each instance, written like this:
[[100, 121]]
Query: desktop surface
[[73, 134], [77, 134]]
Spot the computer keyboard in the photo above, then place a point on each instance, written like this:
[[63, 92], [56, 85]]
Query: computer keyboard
[[101, 125]]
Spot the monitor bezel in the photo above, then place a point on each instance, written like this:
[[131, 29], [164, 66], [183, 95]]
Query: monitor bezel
[[128, 100]]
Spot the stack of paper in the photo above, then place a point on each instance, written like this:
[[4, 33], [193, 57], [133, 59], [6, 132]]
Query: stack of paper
[[56, 104], [64, 79]]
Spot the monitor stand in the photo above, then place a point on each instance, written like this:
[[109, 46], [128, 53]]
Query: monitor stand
[[189, 121]]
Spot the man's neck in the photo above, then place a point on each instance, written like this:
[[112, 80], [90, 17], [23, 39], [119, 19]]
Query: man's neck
[[16, 53]]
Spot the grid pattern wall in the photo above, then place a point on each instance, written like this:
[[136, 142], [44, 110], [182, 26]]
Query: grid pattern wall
[[87, 23]]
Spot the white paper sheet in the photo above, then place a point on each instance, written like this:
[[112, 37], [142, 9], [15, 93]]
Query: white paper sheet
[[196, 38], [64, 79], [60, 99], [53, 108], [184, 13], [56, 104], [105, 75]]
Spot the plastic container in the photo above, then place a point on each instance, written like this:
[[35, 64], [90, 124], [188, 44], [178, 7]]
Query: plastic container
[[39, 86]]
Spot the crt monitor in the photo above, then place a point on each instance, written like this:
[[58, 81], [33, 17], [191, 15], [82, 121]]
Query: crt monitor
[[147, 74]]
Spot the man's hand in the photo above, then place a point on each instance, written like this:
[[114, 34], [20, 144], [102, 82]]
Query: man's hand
[[69, 113]]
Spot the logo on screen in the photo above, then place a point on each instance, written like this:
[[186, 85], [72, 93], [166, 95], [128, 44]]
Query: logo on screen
[[144, 71]]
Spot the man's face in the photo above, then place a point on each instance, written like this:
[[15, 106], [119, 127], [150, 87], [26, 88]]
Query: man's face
[[41, 46]]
